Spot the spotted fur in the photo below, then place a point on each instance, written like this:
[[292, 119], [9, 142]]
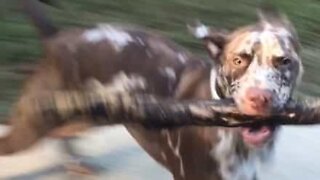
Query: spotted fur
[[269, 57], [265, 50], [117, 37], [75, 56]]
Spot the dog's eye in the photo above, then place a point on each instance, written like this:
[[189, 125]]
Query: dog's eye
[[241, 60], [237, 61], [285, 61], [282, 61]]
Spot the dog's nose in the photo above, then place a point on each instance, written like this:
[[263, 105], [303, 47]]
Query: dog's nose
[[258, 101], [259, 97]]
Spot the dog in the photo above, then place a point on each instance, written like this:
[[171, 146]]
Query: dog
[[257, 65]]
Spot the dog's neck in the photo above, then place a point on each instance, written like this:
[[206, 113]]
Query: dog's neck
[[213, 84], [218, 84], [236, 160]]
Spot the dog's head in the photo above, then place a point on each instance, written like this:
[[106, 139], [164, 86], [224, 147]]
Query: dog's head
[[257, 65]]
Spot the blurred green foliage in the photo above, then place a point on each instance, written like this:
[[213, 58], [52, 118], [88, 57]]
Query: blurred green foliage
[[19, 43]]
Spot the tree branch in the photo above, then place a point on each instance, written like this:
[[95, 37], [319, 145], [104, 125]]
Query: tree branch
[[118, 103]]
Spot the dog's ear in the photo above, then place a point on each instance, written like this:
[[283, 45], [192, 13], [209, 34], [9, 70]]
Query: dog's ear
[[269, 15], [213, 39]]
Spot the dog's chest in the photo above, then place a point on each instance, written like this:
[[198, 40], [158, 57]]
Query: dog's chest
[[233, 163]]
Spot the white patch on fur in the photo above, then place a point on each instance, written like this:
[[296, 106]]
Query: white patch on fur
[[102, 32], [300, 74], [176, 150], [231, 164], [163, 156], [278, 30], [286, 35], [201, 31], [268, 37], [213, 82], [121, 82], [247, 43], [182, 58], [140, 41], [269, 41], [270, 44], [169, 72]]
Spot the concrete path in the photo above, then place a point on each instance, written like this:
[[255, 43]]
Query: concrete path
[[297, 157]]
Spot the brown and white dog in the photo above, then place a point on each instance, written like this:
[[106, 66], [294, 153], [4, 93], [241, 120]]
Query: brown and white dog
[[257, 65]]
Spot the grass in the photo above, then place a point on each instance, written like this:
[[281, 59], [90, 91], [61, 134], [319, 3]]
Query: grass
[[19, 43]]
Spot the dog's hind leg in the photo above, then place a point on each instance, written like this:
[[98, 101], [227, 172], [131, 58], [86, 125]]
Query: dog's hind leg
[[25, 127], [22, 134]]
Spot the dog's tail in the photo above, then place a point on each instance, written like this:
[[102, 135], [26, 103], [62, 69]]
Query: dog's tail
[[36, 13]]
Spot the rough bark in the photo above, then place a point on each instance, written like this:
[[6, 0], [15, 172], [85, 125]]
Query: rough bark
[[118, 103]]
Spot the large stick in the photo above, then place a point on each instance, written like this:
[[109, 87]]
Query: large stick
[[116, 104]]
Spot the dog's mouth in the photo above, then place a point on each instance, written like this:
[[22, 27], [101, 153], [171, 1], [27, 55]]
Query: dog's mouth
[[258, 135]]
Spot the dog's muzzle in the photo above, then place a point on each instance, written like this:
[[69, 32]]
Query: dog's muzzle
[[257, 102]]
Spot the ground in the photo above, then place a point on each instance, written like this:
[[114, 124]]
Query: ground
[[121, 158]]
